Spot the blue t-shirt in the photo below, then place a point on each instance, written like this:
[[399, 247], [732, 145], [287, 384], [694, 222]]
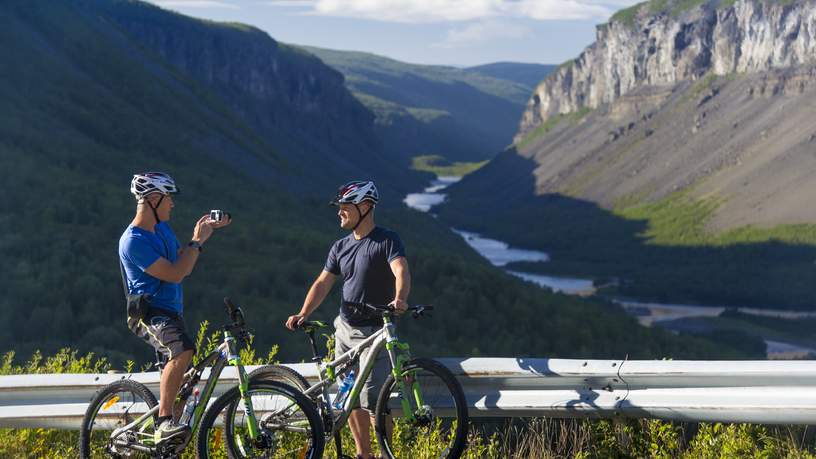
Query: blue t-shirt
[[138, 249], [365, 267]]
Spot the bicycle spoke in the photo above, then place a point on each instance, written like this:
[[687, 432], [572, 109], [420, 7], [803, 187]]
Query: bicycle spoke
[[284, 430], [427, 412], [115, 407]]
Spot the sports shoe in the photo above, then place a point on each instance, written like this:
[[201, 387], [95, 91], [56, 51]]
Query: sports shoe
[[170, 429]]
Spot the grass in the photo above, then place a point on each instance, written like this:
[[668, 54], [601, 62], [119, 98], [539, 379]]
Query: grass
[[627, 16], [675, 8], [682, 6], [676, 220], [680, 219], [531, 438], [552, 122], [427, 115], [566, 64], [442, 167]]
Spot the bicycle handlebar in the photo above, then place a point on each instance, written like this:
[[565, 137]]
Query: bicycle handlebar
[[238, 324], [416, 310], [230, 307]]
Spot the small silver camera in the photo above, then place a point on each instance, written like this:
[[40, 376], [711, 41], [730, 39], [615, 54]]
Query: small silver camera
[[219, 215]]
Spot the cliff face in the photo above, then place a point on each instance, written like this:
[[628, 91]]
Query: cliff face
[[289, 99], [715, 101], [657, 43]]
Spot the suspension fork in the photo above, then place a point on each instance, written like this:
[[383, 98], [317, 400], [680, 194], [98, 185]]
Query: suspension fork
[[243, 384], [399, 353]]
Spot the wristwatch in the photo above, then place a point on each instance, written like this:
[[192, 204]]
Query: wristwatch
[[195, 245]]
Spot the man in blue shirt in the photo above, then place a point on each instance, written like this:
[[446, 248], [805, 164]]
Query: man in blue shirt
[[154, 264], [372, 262]]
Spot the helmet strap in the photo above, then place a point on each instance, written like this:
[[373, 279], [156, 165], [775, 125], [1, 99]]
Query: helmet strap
[[362, 215], [155, 213]]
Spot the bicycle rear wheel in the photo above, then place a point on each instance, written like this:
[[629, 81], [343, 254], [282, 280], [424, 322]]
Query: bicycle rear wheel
[[114, 406], [289, 425], [437, 422]]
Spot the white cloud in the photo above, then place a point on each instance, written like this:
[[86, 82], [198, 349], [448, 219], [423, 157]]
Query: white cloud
[[482, 31], [561, 9], [422, 11], [196, 4], [291, 3], [409, 10]]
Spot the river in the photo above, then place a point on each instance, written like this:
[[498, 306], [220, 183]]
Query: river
[[500, 254]]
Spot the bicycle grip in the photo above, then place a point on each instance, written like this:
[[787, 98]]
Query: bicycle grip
[[230, 307]]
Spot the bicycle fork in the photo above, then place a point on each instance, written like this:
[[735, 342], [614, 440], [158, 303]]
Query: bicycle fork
[[243, 386], [399, 353]]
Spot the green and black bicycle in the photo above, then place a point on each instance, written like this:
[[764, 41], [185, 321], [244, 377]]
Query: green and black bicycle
[[255, 419], [421, 400]]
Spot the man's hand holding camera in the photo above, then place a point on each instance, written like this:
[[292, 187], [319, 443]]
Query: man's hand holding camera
[[207, 223]]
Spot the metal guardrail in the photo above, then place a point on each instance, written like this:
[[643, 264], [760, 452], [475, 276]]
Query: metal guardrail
[[766, 392]]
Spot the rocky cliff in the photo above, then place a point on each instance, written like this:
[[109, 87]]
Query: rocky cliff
[[685, 126], [711, 98], [290, 99], [665, 42]]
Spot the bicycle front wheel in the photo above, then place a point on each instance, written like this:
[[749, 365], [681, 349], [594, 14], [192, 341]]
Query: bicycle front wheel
[[114, 406], [288, 425], [430, 420], [281, 374]]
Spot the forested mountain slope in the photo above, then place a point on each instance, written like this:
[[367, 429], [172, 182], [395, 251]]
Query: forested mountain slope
[[459, 113], [529, 75], [86, 100]]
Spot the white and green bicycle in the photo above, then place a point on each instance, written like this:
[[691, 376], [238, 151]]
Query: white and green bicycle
[[421, 397], [255, 419]]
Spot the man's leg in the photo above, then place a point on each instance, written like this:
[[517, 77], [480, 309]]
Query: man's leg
[[346, 337], [167, 336], [359, 424], [371, 390], [170, 382]]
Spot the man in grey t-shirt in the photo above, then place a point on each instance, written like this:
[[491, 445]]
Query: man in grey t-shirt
[[372, 262]]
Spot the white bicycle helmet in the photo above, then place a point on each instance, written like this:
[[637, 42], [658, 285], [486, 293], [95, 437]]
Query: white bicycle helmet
[[356, 192], [152, 182]]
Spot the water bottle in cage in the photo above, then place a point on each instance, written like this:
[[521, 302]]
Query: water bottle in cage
[[189, 408], [343, 390]]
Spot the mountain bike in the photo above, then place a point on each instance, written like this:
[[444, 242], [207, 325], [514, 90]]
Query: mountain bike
[[430, 416], [264, 418]]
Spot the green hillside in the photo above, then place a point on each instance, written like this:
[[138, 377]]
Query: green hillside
[[528, 75], [462, 114], [84, 104]]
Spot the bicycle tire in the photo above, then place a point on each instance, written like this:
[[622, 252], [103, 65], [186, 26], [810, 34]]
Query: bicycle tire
[[311, 450], [448, 387], [103, 397], [281, 374]]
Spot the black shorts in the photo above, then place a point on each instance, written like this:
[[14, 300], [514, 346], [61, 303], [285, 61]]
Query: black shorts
[[164, 331]]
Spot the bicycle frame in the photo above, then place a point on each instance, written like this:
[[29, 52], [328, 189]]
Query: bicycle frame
[[225, 354], [398, 354]]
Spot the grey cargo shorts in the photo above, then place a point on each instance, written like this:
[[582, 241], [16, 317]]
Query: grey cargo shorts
[[346, 337]]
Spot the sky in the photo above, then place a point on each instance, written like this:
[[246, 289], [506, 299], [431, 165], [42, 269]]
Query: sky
[[442, 32]]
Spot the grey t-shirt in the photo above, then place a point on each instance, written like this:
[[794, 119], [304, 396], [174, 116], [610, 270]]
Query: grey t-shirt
[[367, 277]]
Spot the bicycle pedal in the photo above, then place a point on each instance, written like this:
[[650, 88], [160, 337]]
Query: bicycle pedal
[[172, 449]]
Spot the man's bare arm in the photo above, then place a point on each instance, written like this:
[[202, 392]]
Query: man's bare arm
[[402, 283], [317, 293], [163, 269]]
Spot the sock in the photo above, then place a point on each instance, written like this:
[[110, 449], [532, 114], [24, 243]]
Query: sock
[[161, 419]]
